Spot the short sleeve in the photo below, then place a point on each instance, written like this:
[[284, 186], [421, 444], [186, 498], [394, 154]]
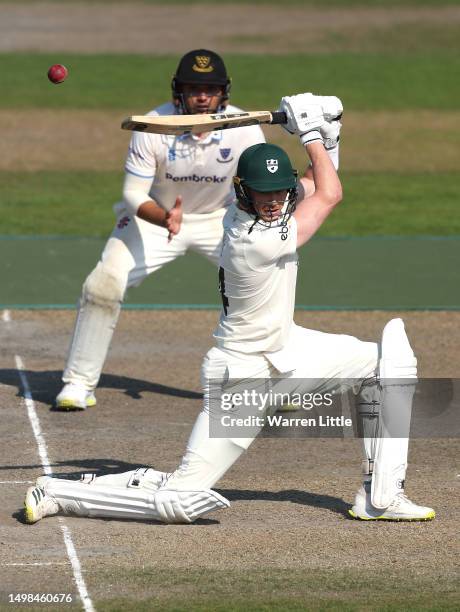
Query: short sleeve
[[141, 160]]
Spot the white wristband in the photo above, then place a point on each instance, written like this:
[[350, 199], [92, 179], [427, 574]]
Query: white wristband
[[310, 137]]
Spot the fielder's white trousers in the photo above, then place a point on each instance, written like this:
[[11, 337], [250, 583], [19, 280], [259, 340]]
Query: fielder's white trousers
[[137, 248], [321, 360]]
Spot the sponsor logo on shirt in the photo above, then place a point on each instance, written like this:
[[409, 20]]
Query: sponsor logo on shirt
[[225, 155], [195, 178], [171, 154], [284, 232]]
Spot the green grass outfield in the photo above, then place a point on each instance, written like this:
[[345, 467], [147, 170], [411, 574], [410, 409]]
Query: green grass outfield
[[425, 80], [80, 204], [265, 590]]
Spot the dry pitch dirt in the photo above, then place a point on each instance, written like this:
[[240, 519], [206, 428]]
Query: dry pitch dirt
[[287, 523]]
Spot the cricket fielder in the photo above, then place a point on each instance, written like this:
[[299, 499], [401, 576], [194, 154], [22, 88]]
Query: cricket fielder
[[170, 182], [257, 339]]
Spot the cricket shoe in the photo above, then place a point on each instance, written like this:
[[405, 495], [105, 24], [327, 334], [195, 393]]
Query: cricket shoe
[[400, 509], [75, 396], [38, 505], [42, 481]]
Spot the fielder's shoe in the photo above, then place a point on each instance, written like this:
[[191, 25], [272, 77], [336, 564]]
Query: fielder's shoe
[[75, 396], [400, 509], [38, 504]]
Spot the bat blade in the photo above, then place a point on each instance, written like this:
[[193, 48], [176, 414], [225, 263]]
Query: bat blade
[[197, 124]]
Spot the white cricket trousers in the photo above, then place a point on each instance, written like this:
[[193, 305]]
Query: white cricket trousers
[[137, 248], [324, 362]]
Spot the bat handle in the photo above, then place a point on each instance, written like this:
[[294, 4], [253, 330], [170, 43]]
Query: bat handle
[[278, 117]]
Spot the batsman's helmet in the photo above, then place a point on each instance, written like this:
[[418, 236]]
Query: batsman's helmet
[[200, 67], [265, 167]]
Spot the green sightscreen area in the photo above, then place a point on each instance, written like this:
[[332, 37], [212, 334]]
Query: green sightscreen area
[[368, 273]]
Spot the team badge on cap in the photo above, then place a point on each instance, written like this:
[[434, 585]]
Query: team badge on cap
[[202, 64], [272, 165]]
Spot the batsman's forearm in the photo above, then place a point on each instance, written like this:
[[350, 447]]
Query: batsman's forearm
[[325, 177]]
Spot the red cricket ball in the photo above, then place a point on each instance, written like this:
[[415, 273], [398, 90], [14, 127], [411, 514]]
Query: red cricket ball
[[57, 73]]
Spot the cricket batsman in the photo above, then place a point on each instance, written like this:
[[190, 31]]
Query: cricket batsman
[[256, 338]]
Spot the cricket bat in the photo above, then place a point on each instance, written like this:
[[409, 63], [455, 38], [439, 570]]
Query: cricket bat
[[197, 124]]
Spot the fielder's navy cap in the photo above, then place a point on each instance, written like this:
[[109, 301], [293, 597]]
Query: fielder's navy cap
[[201, 66]]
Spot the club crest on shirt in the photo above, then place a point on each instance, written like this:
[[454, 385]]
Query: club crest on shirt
[[225, 155], [272, 165]]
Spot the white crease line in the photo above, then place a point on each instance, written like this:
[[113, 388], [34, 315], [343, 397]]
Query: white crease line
[[34, 564], [17, 482], [6, 316], [43, 453]]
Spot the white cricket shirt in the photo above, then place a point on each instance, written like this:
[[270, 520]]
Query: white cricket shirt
[[199, 170], [258, 273]]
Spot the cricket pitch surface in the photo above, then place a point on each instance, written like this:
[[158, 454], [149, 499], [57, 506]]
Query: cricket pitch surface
[[286, 543]]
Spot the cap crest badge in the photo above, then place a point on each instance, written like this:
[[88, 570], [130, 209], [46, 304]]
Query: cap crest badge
[[202, 64], [272, 165]]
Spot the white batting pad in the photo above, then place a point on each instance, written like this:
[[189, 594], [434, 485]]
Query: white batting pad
[[163, 505], [97, 317], [398, 376]]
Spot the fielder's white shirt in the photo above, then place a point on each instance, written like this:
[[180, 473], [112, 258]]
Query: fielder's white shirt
[[199, 170], [258, 273]]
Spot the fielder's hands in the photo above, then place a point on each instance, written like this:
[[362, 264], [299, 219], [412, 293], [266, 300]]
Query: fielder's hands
[[173, 219]]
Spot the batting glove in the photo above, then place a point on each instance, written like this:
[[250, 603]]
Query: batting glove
[[330, 133], [304, 116], [332, 107]]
